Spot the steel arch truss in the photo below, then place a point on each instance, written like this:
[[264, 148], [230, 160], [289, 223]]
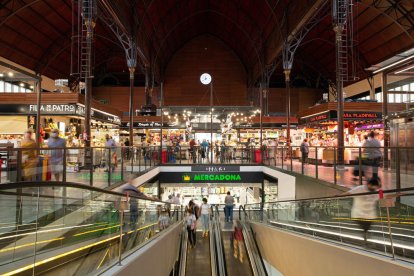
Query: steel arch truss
[[291, 44]]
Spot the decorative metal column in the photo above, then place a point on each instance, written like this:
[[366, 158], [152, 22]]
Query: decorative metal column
[[131, 104], [341, 15], [287, 81], [89, 12], [385, 119], [38, 111], [339, 94]]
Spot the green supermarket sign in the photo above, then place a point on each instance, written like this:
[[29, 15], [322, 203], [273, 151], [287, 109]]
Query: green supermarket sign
[[210, 177]]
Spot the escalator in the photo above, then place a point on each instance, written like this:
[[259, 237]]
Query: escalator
[[215, 255], [71, 229]]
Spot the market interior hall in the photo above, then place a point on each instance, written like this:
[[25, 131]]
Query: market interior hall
[[206, 137]]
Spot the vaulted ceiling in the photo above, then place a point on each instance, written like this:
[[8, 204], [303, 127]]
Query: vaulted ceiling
[[37, 33]]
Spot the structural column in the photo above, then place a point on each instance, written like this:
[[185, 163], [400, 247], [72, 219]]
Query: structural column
[[385, 118], [287, 81], [38, 103], [131, 105], [339, 94]]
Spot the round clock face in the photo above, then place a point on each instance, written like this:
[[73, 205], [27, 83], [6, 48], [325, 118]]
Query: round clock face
[[205, 78]]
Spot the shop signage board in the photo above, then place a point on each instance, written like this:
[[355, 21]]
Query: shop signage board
[[211, 177], [264, 125], [150, 125], [56, 109], [316, 118], [207, 168], [362, 115], [348, 116]]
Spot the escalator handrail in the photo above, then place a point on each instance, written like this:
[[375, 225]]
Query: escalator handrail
[[35, 184], [183, 253], [393, 191], [242, 208], [221, 262], [213, 253]]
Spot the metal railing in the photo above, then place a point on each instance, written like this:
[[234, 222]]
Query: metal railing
[[385, 229], [43, 228], [102, 167]]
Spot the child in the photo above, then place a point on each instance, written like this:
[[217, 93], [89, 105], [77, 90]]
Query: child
[[191, 227]]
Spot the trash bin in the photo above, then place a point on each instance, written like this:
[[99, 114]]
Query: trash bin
[[258, 156], [164, 156]]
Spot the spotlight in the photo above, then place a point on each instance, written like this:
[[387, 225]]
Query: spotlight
[[10, 74]]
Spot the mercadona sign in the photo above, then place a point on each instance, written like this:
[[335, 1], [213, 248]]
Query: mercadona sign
[[207, 177]]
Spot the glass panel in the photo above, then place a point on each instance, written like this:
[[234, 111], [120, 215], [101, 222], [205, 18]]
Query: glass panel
[[8, 87], [73, 230]]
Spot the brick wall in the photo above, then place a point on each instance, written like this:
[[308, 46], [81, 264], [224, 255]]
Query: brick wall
[[300, 99], [205, 54]]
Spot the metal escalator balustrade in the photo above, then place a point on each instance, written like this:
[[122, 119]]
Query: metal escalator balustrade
[[388, 231], [253, 251], [72, 228]]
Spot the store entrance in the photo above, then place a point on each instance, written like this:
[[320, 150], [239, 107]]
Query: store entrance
[[243, 193]]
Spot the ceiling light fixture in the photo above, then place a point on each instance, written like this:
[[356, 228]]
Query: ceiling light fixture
[[393, 64], [405, 69]]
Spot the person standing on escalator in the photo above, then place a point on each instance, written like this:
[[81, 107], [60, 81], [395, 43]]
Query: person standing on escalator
[[238, 242], [191, 222], [228, 208], [205, 216]]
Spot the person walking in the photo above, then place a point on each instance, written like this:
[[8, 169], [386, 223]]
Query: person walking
[[133, 202], [57, 145], [29, 156], [364, 208], [111, 147], [191, 222], [238, 243], [205, 216], [228, 208], [204, 148], [304, 149], [372, 147]]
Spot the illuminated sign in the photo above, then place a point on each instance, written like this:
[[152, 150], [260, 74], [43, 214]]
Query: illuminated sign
[[212, 168], [211, 177], [57, 109], [354, 115]]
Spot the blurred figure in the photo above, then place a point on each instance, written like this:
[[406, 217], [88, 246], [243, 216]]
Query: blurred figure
[[177, 199], [364, 208], [204, 148], [372, 147], [57, 145], [29, 156], [304, 149], [111, 155], [191, 222], [192, 150], [163, 219], [238, 242], [133, 192]]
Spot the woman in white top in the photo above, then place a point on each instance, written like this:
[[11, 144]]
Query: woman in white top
[[204, 214]]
